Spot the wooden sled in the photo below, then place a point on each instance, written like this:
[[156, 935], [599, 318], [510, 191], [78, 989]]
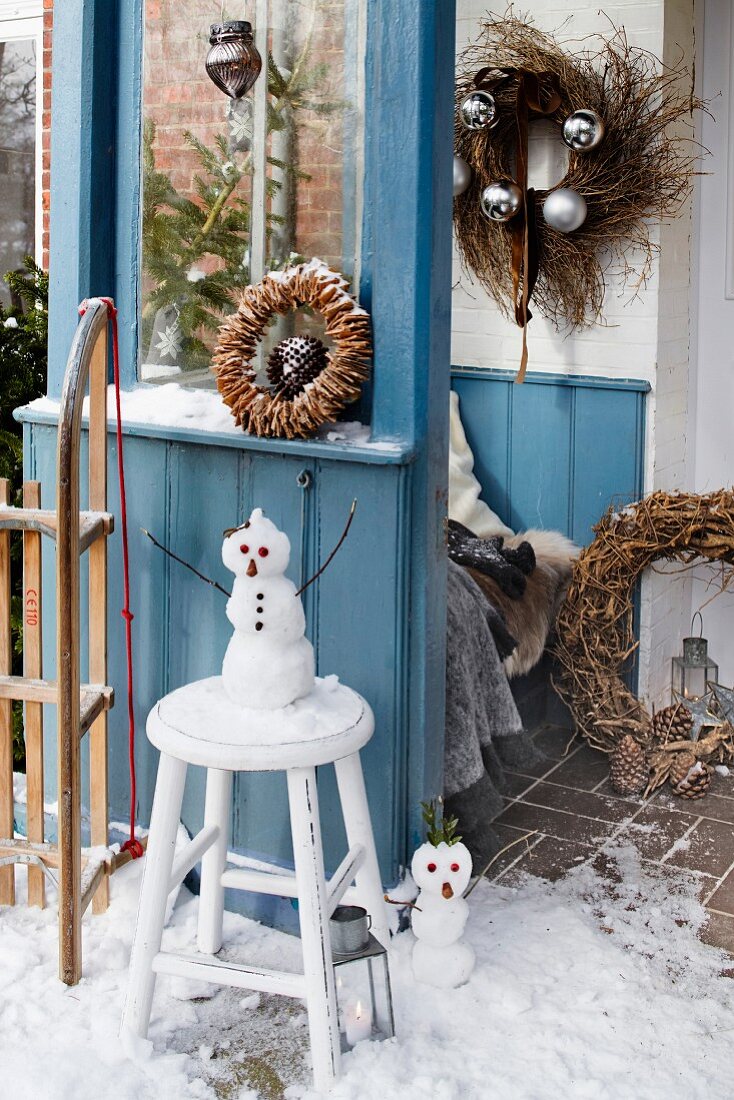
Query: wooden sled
[[81, 708]]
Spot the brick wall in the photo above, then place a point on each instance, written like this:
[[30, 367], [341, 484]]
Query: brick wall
[[48, 19]]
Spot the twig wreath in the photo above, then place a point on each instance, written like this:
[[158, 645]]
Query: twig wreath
[[311, 383], [620, 111], [595, 627]]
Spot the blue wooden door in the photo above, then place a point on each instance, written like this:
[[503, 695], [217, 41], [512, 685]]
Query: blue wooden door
[[377, 616]]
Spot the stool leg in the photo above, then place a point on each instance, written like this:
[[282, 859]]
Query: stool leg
[[314, 919], [154, 893], [357, 822], [217, 809]]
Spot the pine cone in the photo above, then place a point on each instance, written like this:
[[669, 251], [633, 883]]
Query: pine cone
[[295, 362], [628, 766], [673, 723], [689, 777]]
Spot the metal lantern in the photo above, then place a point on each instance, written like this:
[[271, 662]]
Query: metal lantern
[[479, 111], [501, 200], [583, 130], [233, 62], [362, 974], [694, 670]]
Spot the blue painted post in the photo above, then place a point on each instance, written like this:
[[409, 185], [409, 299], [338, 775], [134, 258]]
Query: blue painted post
[[406, 277], [83, 108]]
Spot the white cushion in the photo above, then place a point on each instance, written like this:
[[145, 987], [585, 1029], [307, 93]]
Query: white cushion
[[464, 489]]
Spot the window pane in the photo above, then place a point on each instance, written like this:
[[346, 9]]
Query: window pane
[[203, 160], [17, 155]]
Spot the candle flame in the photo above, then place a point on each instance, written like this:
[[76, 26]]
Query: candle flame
[[358, 1010]]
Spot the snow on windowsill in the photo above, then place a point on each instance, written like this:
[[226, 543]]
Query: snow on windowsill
[[174, 406]]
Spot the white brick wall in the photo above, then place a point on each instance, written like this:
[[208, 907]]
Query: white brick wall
[[642, 336]]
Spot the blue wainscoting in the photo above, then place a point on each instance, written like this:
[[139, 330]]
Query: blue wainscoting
[[556, 451], [358, 613]]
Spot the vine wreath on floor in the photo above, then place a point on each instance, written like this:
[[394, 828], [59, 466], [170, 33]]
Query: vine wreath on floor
[[311, 383], [595, 627], [637, 164]]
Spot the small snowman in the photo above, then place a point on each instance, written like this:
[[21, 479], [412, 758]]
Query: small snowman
[[441, 869], [269, 663]]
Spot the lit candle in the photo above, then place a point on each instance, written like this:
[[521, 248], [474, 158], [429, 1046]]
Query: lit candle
[[358, 1023]]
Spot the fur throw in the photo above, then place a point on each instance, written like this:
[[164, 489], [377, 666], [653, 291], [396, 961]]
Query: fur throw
[[532, 618]]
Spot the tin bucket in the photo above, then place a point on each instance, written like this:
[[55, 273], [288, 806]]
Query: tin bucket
[[350, 929]]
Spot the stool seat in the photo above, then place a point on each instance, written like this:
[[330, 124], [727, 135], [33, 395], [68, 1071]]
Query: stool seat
[[200, 724]]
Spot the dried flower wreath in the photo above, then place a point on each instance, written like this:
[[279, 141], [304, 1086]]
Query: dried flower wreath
[[595, 626], [627, 121], [311, 384]]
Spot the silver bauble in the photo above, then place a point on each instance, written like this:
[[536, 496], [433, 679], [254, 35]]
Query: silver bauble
[[583, 130], [478, 111], [565, 210], [501, 200], [462, 176]]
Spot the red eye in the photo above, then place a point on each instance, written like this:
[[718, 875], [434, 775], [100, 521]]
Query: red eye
[[263, 551], [431, 867], [245, 549], [454, 867]]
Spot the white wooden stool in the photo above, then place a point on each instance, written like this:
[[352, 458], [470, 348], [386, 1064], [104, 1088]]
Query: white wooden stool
[[199, 725]]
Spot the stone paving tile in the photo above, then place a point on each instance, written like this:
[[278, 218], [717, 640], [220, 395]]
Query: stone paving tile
[[709, 847], [654, 831], [554, 741], [714, 807], [506, 835], [719, 931], [582, 803], [550, 858], [565, 826], [585, 770], [608, 791], [516, 784], [723, 898]]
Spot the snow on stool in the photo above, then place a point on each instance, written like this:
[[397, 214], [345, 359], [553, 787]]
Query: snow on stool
[[200, 724]]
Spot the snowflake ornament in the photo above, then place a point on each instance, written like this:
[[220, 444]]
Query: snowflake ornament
[[169, 342]]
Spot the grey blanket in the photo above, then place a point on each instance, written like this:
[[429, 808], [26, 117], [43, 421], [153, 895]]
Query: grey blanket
[[484, 733]]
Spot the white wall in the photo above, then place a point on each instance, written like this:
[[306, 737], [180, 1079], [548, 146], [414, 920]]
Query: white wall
[[713, 392], [643, 336]]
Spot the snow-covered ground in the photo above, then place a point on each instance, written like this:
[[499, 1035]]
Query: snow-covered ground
[[581, 989]]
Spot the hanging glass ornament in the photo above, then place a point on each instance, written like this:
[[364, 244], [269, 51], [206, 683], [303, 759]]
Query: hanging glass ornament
[[233, 62], [501, 200], [479, 111], [565, 210], [462, 176], [583, 130]]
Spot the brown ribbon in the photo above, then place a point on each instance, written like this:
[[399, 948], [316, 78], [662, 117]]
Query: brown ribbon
[[523, 227]]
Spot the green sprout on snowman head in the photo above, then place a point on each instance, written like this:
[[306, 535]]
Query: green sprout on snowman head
[[443, 831]]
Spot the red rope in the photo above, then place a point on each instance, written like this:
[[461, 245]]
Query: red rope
[[133, 845]]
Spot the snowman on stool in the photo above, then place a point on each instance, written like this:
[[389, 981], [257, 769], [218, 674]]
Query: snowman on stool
[[441, 869], [269, 662]]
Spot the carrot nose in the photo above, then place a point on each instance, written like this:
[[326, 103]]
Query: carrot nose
[[252, 568], [447, 891]]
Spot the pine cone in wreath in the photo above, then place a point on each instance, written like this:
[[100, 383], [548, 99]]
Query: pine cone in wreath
[[628, 766], [672, 724], [689, 777], [295, 362]]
